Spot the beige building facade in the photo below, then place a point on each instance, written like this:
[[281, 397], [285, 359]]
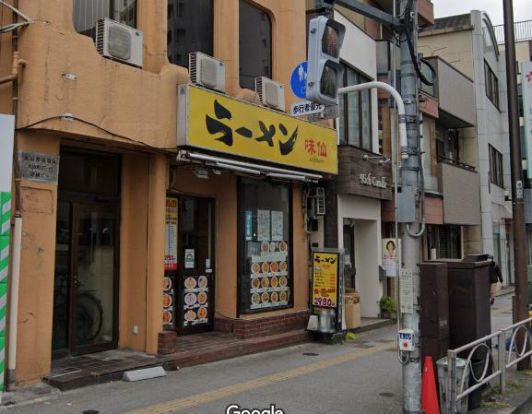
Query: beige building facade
[[96, 238]]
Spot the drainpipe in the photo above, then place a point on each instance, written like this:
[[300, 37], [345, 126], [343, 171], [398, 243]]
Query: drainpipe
[[13, 303], [17, 237], [17, 62]]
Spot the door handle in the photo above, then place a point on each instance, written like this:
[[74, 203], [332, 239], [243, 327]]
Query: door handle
[[76, 282]]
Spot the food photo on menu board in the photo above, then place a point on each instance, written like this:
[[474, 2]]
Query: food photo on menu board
[[168, 303], [196, 299], [269, 276]]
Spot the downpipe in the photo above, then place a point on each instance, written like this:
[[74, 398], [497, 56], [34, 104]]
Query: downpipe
[[13, 304]]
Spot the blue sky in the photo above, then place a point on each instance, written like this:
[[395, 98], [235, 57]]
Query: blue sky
[[522, 8]]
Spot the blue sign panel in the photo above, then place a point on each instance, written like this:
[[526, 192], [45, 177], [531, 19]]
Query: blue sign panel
[[298, 80]]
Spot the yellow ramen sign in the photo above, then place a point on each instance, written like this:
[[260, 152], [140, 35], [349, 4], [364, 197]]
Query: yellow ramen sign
[[219, 123]]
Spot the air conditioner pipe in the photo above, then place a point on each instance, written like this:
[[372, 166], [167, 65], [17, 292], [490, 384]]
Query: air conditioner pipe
[[400, 108]]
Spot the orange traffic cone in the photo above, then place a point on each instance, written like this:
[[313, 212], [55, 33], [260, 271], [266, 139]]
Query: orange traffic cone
[[429, 396]]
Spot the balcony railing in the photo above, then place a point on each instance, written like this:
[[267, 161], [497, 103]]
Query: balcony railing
[[522, 31], [456, 163]]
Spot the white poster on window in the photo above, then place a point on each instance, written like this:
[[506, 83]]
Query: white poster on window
[[277, 225], [263, 225]]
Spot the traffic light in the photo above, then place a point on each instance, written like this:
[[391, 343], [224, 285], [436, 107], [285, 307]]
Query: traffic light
[[324, 70]]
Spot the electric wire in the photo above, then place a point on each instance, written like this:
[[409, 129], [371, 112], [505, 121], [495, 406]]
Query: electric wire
[[70, 117], [407, 23]]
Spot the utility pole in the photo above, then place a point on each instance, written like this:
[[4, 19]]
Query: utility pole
[[409, 202], [520, 302]]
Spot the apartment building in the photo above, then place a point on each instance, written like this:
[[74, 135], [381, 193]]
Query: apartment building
[[156, 219], [468, 43], [523, 55]]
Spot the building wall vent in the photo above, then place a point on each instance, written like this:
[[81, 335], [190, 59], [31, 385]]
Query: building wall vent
[[117, 41], [207, 71], [271, 93]]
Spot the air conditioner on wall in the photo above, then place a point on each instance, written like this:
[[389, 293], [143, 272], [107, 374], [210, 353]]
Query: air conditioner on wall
[[207, 71], [117, 41], [271, 93]]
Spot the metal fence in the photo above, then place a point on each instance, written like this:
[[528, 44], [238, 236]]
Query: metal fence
[[522, 31], [500, 352]]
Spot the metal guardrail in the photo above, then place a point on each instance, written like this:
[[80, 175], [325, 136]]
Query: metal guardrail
[[507, 352]]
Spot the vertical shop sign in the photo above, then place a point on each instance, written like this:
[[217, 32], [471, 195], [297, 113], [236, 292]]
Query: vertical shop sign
[[7, 129], [170, 263], [526, 84], [325, 279], [170, 256]]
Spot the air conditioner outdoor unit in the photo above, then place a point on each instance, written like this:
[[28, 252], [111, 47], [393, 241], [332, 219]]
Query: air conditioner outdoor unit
[[117, 41], [207, 71], [271, 93]]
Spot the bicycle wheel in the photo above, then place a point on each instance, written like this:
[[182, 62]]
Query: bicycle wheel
[[89, 317]]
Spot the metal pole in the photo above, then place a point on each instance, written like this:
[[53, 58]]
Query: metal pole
[[410, 170], [520, 250]]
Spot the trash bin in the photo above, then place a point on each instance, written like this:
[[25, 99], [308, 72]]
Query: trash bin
[[443, 367], [352, 310]]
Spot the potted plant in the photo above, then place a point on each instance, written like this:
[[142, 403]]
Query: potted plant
[[388, 307]]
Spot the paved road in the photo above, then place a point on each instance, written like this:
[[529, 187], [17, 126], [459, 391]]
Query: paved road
[[362, 376]]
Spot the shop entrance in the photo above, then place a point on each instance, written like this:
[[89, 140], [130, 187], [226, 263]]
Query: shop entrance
[[86, 266], [193, 275]]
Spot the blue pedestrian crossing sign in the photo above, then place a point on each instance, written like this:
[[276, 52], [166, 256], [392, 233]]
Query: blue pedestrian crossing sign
[[298, 80]]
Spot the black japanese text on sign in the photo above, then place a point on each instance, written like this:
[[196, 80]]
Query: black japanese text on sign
[[219, 123]]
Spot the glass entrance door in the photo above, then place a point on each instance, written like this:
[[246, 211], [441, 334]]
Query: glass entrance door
[[195, 293], [93, 278], [85, 314]]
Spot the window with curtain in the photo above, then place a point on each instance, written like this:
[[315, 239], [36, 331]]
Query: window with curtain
[[255, 41], [88, 12], [190, 29], [355, 113]]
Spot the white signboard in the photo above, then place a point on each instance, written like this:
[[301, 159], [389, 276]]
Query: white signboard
[[7, 131], [406, 291], [306, 108], [526, 84]]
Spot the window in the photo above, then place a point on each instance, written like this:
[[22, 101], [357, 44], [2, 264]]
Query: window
[[446, 241], [448, 145], [355, 113], [255, 44], [492, 85], [190, 29], [496, 171], [264, 245], [88, 12]]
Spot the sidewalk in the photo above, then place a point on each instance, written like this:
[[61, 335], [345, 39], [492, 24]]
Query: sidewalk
[[358, 376]]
